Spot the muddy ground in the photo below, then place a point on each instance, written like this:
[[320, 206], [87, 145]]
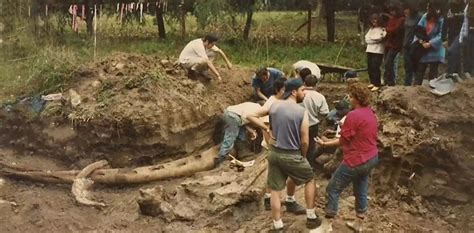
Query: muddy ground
[[137, 110]]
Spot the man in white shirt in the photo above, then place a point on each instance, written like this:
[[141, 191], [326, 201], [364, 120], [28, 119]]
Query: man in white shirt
[[298, 66], [194, 56], [316, 105], [236, 123]]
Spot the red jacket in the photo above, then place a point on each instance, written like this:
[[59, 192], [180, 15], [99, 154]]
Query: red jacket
[[395, 33]]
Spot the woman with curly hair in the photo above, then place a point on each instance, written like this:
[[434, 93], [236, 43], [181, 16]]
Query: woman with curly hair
[[358, 140]]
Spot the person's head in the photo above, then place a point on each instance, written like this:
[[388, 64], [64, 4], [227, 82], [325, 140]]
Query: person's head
[[433, 9], [210, 40], [342, 108], [279, 87], [294, 89], [311, 80], [409, 9], [262, 74], [303, 73], [359, 95], [394, 10], [375, 20]]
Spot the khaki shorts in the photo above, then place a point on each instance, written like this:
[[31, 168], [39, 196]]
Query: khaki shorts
[[283, 164]]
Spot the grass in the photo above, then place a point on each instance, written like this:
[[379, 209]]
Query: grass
[[31, 66]]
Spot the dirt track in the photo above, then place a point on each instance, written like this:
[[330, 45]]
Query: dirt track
[[136, 111]]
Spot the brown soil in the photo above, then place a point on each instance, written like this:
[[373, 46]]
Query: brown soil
[[137, 110]]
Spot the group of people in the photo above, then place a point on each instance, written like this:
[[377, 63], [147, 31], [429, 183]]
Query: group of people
[[425, 39]]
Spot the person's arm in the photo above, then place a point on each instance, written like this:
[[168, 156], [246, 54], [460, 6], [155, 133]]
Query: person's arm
[[260, 94], [214, 70], [227, 62], [254, 119], [305, 134]]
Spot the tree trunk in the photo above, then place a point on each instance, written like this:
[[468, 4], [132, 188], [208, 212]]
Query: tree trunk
[[330, 20], [248, 23], [160, 21], [89, 17]]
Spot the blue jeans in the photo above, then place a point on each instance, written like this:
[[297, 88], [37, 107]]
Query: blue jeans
[[453, 57], [342, 177], [409, 66], [233, 130]]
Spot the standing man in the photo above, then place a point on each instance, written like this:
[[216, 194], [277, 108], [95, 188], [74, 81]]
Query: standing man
[[235, 126], [195, 60], [316, 105], [262, 82], [289, 125]]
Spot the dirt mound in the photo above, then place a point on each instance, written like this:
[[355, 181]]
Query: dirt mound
[[133, 109]]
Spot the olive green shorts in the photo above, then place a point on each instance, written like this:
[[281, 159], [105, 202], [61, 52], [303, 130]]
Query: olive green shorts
[[283, 164]]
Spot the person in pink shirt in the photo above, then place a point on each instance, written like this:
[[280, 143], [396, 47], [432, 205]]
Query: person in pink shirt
[[358, 140]]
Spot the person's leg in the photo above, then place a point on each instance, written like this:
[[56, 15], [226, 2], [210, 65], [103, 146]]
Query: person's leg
[[396, 61], [341, 178], [276, 179], [290, 202], [469, 58], [420, 73], [389, 74], [378, 60], [453, 57], [371, 68], [311, 156], [408, 67], [360, 189], [433, 73], [231, 132]]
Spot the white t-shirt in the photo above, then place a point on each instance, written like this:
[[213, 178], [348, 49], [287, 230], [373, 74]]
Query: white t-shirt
[[211, 53], [193, 51], [310, 65], [244, 109], [315, 103], [373, 38]]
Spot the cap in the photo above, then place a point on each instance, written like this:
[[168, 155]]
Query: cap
[[291, 85]]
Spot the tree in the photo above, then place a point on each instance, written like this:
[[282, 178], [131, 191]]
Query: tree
[[159, 19], [330, 20]]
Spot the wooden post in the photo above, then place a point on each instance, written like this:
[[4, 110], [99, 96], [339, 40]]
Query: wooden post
[[330, 20], [310, 10], [183, 20]]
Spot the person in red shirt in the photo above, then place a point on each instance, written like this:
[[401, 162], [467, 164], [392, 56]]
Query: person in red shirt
[[393, 42], [360, 155]]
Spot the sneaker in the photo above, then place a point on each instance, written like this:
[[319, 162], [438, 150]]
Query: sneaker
[[355, 225], [375, 88], [267, 204], [370, 86], [313, 223], [294, 207]]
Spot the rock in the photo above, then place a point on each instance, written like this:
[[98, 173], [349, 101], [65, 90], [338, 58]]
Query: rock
[[96, 84], [75, 98], [153, 202], [2, 182], [120, 66], [184, 211]]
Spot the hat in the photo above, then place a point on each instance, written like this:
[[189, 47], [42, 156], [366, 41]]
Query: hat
[[291, 85], [350, 74], [342, 105]]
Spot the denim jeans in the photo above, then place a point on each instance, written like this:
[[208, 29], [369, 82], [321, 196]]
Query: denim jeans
[[409, 66], [342, 177], [233, 130], [389, 74], [453, 57], [374, 61]]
